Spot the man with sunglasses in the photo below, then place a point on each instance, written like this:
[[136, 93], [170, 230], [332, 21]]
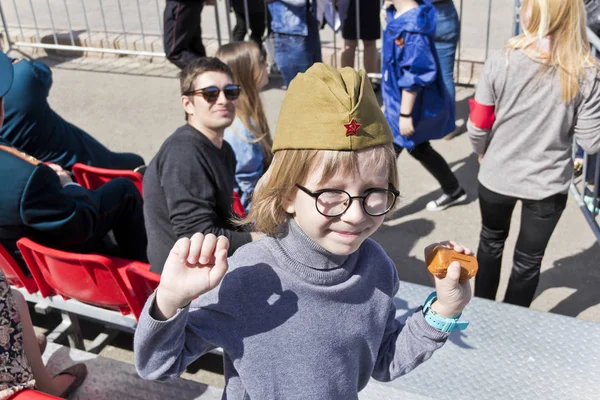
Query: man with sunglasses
[[188, 186]]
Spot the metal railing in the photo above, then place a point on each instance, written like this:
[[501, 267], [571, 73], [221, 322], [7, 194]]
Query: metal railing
[[587, 195], [135, 27]]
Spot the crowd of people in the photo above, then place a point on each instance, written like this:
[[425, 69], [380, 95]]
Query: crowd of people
[[294, 277]]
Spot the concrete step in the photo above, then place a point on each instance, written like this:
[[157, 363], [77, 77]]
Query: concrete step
[[111, 379]]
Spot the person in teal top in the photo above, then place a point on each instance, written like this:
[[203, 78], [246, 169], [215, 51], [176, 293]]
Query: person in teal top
[[33, 127]]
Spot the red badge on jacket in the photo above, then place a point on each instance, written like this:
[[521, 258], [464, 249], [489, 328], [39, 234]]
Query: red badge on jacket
[[352, 128]]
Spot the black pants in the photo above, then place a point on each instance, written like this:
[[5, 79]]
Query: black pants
[[122, 212], [538, 220], [119, 208], [435, 164], [257, 26], [182, 33]]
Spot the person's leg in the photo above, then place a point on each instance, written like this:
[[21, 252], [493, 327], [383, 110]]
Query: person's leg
[[538, 220], [239, 30], [313, 43], [371, 56], [257, 27], [126, 161], [437, 166], [44, 381], [447, 34], [291, 55], [496, 211], [349, 52], [182, 35], [284, 46], [121, 210]]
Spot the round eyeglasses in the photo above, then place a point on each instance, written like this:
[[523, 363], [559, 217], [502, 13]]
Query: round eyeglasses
[[335, 202], [211, 93]]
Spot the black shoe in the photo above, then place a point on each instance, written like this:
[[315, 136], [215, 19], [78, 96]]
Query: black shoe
[[446, 200]]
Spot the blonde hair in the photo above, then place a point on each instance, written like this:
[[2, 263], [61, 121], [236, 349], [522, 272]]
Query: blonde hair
[[564, 21], [291, 167], [247, 66]]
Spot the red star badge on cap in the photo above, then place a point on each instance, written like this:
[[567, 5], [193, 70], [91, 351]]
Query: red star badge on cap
[[352, 128]]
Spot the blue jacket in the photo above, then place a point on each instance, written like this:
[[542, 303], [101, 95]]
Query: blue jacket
[[249, 159], [410, 62], [290, 17]]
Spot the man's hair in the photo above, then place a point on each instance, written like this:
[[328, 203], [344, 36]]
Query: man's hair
[[197, 67]]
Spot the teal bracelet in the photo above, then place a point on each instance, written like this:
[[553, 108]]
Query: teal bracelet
[[438, 322]]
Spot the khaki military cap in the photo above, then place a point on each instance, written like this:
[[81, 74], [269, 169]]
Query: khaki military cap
[[330, 109]]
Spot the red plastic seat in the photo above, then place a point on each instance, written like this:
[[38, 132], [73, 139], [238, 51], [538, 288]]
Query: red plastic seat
[[93, 177], [94, 279], [143, 282], [29, 394], [13, 272], [238, 207]]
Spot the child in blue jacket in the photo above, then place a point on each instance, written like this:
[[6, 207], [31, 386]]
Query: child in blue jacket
[[418, 107]]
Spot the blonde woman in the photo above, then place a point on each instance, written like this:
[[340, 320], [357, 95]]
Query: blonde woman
[[532, 97], [249, 135]]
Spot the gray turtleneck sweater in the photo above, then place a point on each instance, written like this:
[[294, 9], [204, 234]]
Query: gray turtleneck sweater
[[295, 322]]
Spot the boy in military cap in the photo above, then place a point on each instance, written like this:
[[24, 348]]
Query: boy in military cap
[[307, 311]]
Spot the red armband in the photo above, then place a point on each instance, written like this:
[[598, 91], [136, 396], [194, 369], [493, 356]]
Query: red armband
[[481, 116]]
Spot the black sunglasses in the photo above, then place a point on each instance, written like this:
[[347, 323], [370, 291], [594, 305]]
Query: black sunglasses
[[211, 93], [335, 202]]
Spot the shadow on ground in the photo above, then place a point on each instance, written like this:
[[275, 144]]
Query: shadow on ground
[[399, 240], [579, 272], [466, 174]]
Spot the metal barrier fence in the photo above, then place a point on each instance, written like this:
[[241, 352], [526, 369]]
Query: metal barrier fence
[[587, 196], [135, 27]]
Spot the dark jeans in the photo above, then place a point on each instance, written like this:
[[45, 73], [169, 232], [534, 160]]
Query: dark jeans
[[257, 26], [120, 210], [435, 164], [182, 33], [447, 34], [295, 54], [538, 220]]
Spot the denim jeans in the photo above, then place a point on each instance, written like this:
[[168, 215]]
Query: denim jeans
[[538, 220], [295, 53], [257, 26], [447, 34]]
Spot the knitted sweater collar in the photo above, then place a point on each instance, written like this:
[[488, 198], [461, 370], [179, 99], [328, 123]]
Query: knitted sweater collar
[[299, 254]]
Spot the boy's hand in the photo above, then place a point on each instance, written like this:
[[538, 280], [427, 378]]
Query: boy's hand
[[194, 267], [452, 296], [406, 126]]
